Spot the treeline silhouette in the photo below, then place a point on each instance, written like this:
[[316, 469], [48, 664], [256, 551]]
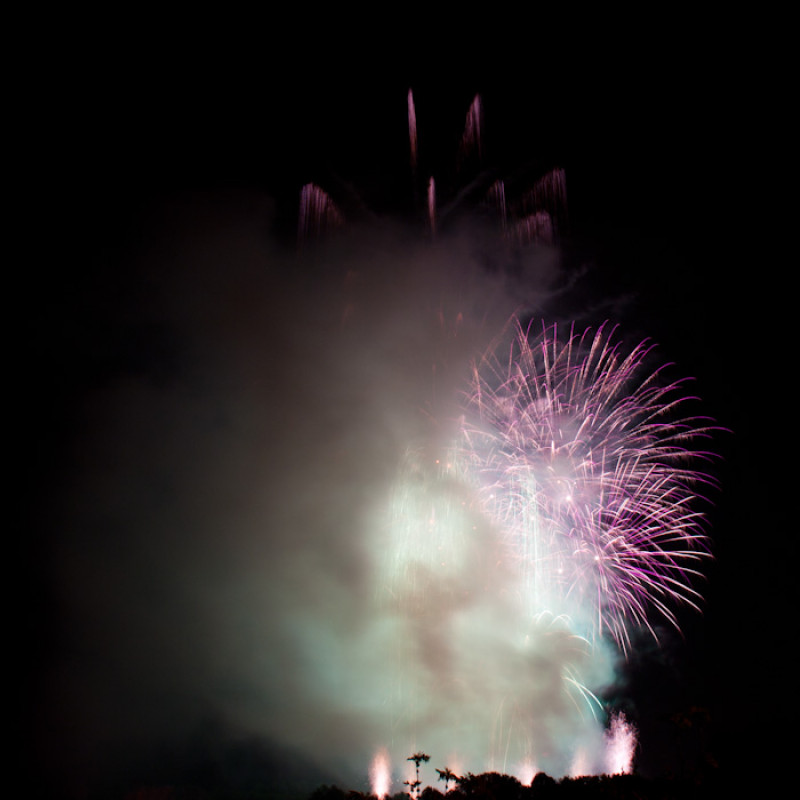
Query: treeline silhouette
[[497, 786]]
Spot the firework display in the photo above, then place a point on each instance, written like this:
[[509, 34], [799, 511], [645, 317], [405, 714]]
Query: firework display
[[548, 506]]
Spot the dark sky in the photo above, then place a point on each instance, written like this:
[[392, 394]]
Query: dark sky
[[144, 361]]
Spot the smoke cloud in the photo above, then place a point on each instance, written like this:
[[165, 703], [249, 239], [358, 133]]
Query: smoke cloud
[[226, 547]]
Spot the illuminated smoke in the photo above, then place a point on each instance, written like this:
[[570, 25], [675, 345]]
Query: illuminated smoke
[[580, 765]]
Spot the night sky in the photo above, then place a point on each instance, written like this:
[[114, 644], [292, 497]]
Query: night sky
[[179, 380]]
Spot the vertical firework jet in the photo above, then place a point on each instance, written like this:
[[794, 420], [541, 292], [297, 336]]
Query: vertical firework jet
[[380, 775], [621, 740]]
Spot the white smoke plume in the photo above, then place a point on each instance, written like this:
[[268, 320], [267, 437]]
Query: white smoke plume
[[222, 534]]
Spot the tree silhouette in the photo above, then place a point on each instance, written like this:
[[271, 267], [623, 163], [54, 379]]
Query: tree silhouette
[[497, 786], [447, 775], [417, 758]]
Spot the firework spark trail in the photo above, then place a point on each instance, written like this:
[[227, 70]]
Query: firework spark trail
[[548, 196], [412, 133], [497, 199], [589, 476], [318, 213], [536, 227], [471, 139]]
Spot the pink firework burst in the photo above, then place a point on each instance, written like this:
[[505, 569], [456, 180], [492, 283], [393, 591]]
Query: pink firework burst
[[588, 465]]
